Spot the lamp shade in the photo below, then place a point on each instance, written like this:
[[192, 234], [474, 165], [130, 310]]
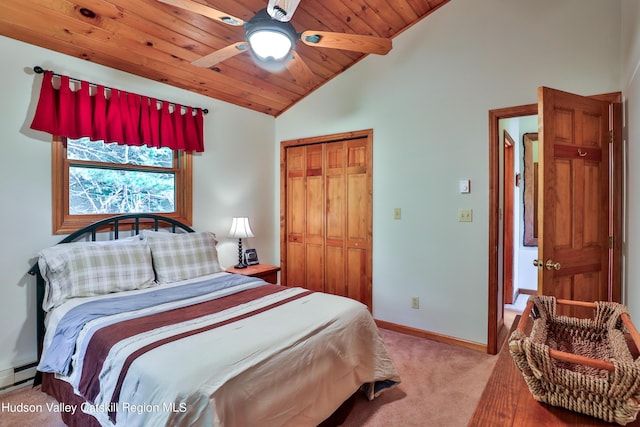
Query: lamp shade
[[240, 228]]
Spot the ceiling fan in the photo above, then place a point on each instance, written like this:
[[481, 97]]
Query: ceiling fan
[[271, 37]]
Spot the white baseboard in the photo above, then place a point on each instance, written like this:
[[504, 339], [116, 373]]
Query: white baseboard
[[16, 376], [24, 375], [7, 378]]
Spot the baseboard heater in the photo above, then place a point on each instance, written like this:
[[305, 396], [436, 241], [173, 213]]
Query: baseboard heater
[[18, 375]]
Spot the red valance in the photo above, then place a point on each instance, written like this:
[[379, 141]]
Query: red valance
[[125, 118]]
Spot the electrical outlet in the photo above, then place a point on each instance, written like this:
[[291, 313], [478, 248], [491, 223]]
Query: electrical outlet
[[415, 302]]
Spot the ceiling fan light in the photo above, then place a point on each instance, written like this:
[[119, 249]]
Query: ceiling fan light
[[270, 44]]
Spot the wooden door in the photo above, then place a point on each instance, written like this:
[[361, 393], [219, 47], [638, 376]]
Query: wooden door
[[295, 218], [358, 231], [314, 218], [326, 235], [336, 209], [573, 197]]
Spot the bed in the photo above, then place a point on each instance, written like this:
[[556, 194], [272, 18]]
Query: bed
[[146, 328]]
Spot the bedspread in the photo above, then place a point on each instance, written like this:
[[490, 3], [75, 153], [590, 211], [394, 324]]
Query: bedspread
[[234, 352]]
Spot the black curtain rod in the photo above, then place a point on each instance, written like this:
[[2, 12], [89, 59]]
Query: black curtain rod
[[39, 70]]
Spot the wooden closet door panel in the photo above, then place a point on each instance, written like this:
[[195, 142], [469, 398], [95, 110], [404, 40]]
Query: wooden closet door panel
[[295, 268], [314, 218], [314, 257], [314, 181], [357, 224], [357, 284], [335, 269], [295, 191], [335, 282], [295, 274], [358, 194], [335, 197], [359, 200], [314, 213], [336, 208]]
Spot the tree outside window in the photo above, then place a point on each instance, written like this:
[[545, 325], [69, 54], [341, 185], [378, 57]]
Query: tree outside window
[[97, 179]]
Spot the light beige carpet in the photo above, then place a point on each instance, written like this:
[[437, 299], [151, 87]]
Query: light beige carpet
[[441, 385]]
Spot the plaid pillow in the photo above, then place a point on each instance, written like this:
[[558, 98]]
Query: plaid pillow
[[85, 269], [182, 256]]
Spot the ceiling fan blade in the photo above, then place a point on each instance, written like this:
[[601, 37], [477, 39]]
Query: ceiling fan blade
[[353, 42], [207, 11], [300, 70], [221, 55], [282, 10]]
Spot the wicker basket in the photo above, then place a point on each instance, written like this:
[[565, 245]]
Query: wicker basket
[[583, 365]]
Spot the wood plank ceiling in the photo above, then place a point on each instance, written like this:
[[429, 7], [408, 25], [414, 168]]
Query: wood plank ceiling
[[157, 41]]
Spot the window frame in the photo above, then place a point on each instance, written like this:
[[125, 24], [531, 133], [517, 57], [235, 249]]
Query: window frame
[[64, 223]]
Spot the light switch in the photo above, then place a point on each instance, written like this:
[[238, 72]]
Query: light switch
[[397, 213], [465, 186], [465, 215]]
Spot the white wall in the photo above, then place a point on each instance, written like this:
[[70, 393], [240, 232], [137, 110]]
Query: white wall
[[230, 178], [631, 94], [428, 103]]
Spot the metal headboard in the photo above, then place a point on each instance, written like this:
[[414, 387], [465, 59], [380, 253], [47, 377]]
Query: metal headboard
[[132, 222]]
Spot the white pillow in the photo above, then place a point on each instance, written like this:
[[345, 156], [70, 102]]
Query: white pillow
[[182, 256], [82, 269]]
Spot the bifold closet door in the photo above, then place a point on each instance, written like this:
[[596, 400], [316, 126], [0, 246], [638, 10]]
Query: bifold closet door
[[314, 218], [305, 217], [348, 221], [328, 212]]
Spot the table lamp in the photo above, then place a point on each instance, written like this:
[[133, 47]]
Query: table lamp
[[240, 229]]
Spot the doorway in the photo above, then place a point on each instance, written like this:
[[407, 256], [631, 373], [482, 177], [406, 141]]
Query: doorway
[[518, 189], [496, 327]]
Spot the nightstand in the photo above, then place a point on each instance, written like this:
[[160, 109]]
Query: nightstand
[[268, 273]]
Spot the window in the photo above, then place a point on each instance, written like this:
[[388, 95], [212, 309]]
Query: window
[[93, 180]]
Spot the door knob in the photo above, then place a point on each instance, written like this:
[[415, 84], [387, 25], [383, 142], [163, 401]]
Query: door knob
[[550, 264], [538, 263]]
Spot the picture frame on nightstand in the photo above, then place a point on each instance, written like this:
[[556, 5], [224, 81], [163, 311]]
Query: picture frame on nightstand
[[251, 257]]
